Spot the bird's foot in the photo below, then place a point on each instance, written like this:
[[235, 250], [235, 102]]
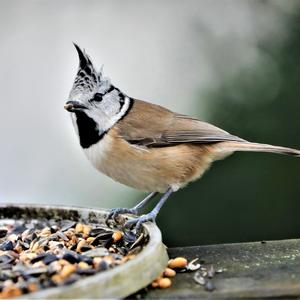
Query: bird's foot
[[115, 212], [137, 222]]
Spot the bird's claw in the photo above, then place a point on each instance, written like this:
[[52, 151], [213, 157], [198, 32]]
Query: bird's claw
[[114, 212], [137, 222]]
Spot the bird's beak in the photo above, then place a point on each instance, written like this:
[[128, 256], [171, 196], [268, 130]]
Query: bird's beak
[[73, 106]]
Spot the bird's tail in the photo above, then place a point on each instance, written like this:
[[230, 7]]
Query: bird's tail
[[256, 147]]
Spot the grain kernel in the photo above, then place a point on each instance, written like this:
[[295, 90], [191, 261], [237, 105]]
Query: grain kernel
[[10, 292], [63, 262], [83, 265], [97, 261], [35, 246], [27, 256], [18, 248], [38, 264], [90, 239], [169, 272], [32, 287], [79, 245], [164, 283], [86, 229], [117, 235], [178, 262], [70, 233], [45, 232], [79, 227], [112, 250], [67, 271], [56, 278]]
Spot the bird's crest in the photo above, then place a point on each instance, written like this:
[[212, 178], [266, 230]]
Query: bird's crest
[[87, 79]]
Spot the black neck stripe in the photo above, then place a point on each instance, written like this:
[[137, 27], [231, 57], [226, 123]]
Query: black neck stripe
[[87, 130]]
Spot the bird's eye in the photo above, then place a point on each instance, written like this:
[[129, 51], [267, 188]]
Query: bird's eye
[[97, 98]]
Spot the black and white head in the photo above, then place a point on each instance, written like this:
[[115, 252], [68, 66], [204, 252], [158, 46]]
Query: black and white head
[[95, 104]]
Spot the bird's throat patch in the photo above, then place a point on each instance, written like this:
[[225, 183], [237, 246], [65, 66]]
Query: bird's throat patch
[[87, 129]]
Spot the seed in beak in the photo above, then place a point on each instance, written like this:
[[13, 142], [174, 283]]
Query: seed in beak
[[68, 106]]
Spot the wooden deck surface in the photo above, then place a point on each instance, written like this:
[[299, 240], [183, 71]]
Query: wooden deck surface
[[251, 270]]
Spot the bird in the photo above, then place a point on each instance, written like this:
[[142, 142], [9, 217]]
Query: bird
[[144, 145]]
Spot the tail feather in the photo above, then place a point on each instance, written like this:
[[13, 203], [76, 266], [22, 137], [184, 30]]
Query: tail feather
[[257, 147]]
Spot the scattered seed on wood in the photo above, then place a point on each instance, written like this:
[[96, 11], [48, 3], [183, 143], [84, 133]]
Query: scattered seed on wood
[[202, 276], [169, 272], [209, 286], [178, 262], [199, 278], [211, 271], [164, 283], [192, 265]]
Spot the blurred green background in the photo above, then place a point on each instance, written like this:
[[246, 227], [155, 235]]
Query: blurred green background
[[233, 63], [249, 196]]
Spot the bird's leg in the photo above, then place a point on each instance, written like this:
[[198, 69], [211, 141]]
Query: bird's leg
[[151, 216], [134, 210], [144, 202]]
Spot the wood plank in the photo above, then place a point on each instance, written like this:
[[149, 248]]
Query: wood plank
[[251, 270]]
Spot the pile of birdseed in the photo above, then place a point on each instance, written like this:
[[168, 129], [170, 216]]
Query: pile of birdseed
[[38, 254]]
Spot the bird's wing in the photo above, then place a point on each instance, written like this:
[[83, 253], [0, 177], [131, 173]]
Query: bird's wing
[[151, 125]]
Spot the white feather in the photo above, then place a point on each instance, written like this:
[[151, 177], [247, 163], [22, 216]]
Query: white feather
[[97, 152], [106, 116]]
